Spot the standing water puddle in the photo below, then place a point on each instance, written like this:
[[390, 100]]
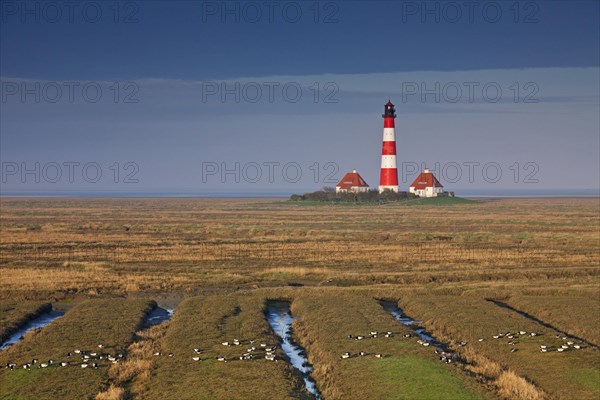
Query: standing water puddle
[[36, 323], [280, 318], [157, 316], [398, 315]]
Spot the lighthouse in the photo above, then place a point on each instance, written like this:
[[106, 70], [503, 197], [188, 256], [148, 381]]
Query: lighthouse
[[388, 179]]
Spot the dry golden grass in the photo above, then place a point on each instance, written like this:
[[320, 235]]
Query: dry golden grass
[[128, 370], [127, 245], [112, 393], [515, 387], [131, 375], [481, 366], [508, 384]]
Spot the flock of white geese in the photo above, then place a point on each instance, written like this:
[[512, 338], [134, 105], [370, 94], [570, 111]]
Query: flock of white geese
[[447, 356], [93, 359], [253, 351], [75, 358], [566, 345], [444, 356], [256, 351]]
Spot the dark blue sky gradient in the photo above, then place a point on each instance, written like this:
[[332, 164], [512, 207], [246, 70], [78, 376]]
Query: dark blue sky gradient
[[172, 41]]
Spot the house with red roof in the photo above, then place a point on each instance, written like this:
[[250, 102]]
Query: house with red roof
[[352, 182], [426, 185]]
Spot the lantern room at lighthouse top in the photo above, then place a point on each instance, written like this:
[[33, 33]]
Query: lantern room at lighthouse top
[[389, 111]]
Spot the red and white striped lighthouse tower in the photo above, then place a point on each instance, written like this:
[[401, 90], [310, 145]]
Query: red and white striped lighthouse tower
[[388, 179]]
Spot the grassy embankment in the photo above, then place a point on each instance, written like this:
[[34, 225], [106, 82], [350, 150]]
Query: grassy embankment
[[15, 314], [407, 370], [563, 375], [205, 322], [109, 322]]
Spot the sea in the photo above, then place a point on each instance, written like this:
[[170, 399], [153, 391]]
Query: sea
[[282, 194]]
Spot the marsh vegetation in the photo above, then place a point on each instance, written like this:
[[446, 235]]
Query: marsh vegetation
[[449, 266]]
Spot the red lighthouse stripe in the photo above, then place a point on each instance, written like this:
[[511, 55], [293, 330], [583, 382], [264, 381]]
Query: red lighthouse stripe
[[388, 122], [389, 149], [388, 177]]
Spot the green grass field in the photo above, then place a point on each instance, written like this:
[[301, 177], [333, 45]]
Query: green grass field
[[410, 377]]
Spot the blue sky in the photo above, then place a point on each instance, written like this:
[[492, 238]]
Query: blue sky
[[512, 87]]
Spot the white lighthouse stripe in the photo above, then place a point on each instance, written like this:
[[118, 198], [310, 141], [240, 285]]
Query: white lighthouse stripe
[[389, 135], [388, 161]]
